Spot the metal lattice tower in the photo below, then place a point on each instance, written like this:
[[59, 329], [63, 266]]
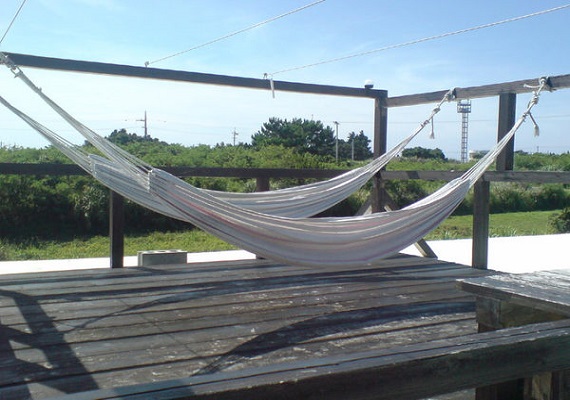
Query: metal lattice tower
[[464, 108]]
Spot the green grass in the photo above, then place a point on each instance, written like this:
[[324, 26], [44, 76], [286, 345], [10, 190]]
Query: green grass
[[508, 224], [512, 224], [98, 246]]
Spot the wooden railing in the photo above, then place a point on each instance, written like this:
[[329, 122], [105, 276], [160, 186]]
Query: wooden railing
[[263, 176]]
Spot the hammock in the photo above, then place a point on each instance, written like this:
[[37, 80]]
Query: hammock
[[349, 241], [308, 200], [300, 201]]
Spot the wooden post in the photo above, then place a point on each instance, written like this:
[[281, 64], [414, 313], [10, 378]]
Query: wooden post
[[482, 195], [507, 117], [117, 229], [262, 184], [380, 144], [480, 251]]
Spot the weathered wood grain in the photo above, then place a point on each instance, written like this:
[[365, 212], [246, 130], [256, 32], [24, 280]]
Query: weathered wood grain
[[434, 368], [547, 291], [74, 331], [186, 76]]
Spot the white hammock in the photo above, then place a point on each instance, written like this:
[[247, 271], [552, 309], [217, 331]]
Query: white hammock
[[353, 241], [300, 201]]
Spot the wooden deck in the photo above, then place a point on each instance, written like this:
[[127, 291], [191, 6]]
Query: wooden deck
[[68, 332]]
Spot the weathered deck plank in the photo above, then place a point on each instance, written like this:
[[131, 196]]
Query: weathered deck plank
[[68, 332]]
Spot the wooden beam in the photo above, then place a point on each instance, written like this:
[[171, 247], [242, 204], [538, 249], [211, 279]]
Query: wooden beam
[[60, 64], [474, 92], [491, 176]]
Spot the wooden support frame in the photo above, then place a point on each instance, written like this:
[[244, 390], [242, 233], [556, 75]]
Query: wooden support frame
[[507, 107]]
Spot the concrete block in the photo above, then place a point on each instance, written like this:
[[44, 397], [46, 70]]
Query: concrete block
[[161, 257]]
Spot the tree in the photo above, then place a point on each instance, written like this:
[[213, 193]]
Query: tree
[[427, 154], [361, 145], [302, 134], [121, 137]]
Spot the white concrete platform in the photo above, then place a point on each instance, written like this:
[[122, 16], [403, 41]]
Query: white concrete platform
[[13, 267], [517, 254]]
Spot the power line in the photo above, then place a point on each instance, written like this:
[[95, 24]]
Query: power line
[[12, 22], [236, 32], [426, 39]]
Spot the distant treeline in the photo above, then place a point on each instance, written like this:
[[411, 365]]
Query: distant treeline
[[47, 206]]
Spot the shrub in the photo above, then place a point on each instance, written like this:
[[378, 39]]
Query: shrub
[[406, 192], [561, 221], [552, 197]]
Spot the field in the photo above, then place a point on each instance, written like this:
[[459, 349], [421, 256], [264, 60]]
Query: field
[[508, 224]]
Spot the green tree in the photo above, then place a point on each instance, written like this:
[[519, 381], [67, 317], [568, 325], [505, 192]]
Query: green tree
[[423, 153], [359, 143], [122, 137], [301, 134]]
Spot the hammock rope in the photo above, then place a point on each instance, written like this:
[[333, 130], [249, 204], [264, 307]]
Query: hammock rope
[[314, 242]]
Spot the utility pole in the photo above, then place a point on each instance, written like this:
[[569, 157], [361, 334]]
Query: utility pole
[[336, 141], [145, 125], [235, 135]]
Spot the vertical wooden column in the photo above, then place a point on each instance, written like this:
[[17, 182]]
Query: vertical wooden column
[[117, 229], [262, 184], [480, 250], [507, 118], [380, 144], [482, 196]]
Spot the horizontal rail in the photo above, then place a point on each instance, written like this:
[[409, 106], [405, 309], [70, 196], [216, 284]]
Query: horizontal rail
[[490, 176], [277, 173], [72, 169], [61, 64], [522, 86]]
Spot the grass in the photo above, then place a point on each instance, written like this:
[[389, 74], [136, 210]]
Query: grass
[[510, 224], [98, 246]]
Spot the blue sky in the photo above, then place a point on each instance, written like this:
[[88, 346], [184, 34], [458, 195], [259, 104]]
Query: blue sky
[[134, 31]]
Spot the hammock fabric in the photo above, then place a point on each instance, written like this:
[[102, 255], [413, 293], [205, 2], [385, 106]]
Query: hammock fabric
[[349, 241]]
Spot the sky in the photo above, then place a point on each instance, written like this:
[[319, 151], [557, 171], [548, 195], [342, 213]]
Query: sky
[[133, 32]]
